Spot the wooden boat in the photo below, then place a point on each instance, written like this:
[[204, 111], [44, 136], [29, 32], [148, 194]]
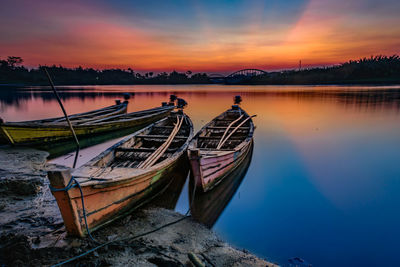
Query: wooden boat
[[206, 207], [38, 132], [122, 178], [35, 130], [220, 146]]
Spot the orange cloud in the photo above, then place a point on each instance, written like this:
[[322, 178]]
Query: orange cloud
[[95, 36]]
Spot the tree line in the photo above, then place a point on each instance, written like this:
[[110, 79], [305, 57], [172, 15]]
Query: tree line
[[13, 72], [373, 70]]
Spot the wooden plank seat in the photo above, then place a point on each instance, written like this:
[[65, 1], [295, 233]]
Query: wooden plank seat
[[160, 137], [219, 137], [222, 121], [164, 127], [135, 157], [221, 132], [223, 128], [140, 149]]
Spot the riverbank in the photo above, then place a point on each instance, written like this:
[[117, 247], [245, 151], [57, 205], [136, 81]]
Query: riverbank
[[366, 82], [32, 230]]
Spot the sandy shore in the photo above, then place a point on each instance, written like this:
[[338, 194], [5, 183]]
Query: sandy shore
[[33, 234]]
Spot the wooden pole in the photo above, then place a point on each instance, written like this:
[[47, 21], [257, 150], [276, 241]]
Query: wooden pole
[[234, 130], [226, 131], [154, 160], [65, 114], [161, 150]]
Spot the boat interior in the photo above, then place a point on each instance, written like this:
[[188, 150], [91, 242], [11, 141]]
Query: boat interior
[[126, 117], [94, 114], [82, 117], [211, 135], [135, 151]]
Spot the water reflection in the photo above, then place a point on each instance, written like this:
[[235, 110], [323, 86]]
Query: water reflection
[[367, 98], [169, 197], [208, 207], [324, 177], [17, 97]]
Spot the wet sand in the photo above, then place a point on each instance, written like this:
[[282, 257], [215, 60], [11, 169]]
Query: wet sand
[[33, 234]]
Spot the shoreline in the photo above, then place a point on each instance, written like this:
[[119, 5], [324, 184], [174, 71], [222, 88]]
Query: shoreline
[[33, 232], [383, 83]]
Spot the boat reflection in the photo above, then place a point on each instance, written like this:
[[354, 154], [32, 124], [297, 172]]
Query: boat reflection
[[369, 98], [207, 207], [169, 197]]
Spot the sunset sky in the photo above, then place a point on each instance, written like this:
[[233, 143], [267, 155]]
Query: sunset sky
[[198, 35]]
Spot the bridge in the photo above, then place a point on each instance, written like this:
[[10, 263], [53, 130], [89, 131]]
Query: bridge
[[237, 76]]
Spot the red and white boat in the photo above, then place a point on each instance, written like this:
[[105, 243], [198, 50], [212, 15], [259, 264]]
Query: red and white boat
[[220, 147]]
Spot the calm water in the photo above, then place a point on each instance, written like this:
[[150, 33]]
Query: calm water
[[324, 179]]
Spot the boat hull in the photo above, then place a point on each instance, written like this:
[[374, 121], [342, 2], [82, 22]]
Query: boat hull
[[111, 185], [34, 134], [104, 204], [209, 171], [206, 207]]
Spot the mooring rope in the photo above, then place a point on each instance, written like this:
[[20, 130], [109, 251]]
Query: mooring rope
[[119, 240], [71, 185], [185, 216]]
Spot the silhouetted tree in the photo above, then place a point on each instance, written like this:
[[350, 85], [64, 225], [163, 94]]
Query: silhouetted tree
[[376, 69], [13, 61]]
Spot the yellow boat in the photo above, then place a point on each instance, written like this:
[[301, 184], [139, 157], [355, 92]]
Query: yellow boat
[[85, 124]]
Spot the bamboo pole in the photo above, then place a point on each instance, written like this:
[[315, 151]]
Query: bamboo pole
[[65, 114], [234, 130], [229, 126], [161, 150], [157, 151]]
